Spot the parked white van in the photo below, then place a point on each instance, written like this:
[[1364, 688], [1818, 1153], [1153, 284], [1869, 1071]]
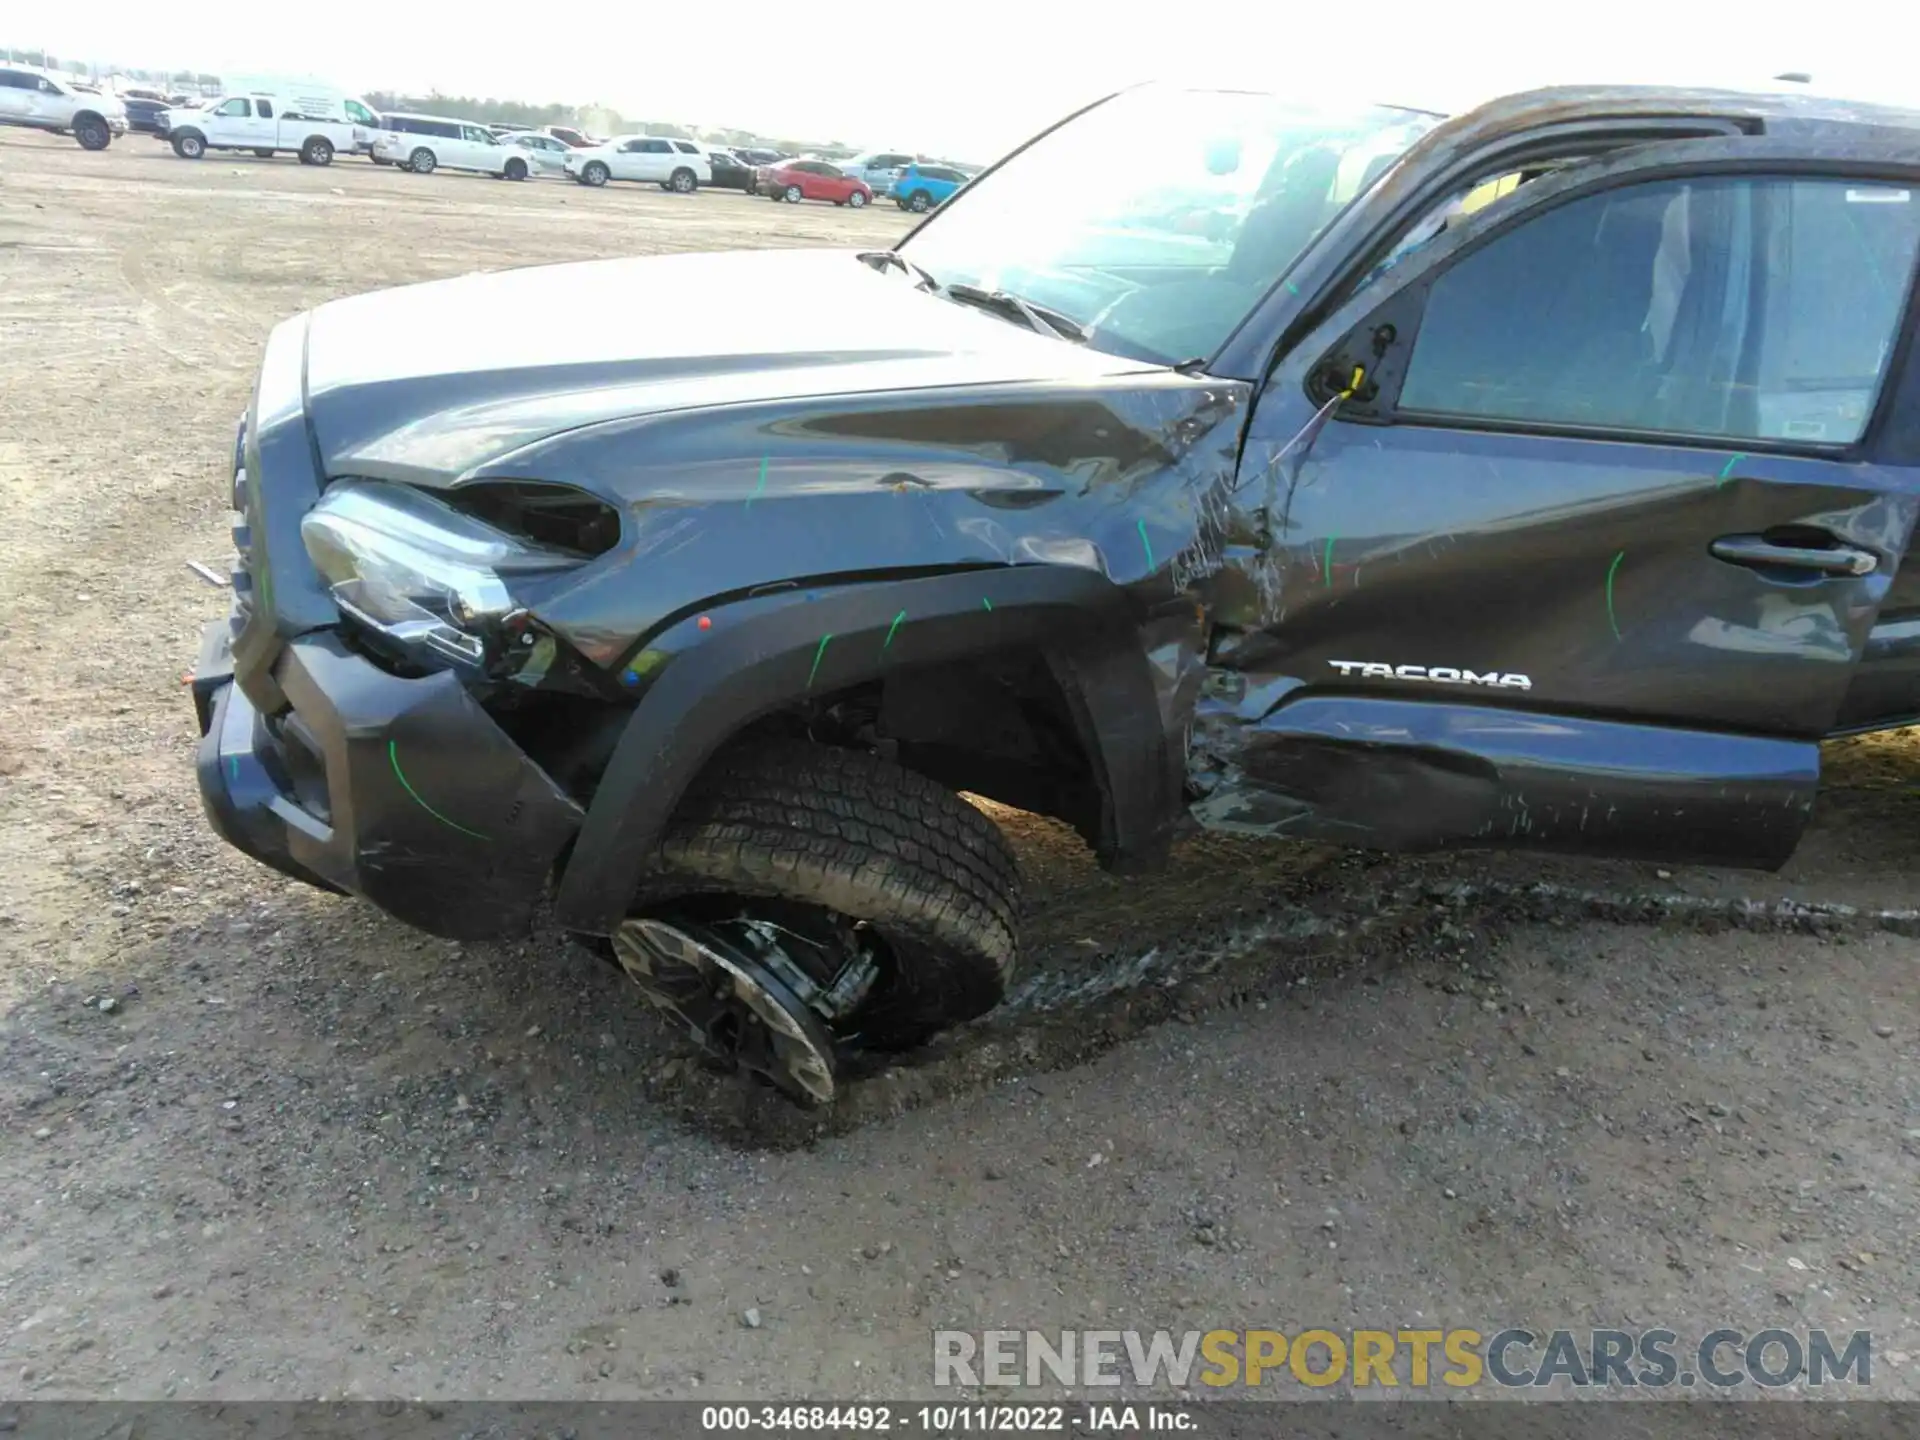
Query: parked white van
[[263, 124], [314, 98], [426, 143]]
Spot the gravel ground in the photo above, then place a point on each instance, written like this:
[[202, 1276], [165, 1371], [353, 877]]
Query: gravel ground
[[261, 1142]]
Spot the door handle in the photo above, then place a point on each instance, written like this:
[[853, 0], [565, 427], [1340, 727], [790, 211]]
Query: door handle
[[1758, 552]]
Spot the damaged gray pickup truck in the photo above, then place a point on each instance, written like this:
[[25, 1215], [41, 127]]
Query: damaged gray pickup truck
[[1535, 477]]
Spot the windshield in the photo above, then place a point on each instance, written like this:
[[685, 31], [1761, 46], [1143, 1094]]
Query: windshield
[[1157, 220]]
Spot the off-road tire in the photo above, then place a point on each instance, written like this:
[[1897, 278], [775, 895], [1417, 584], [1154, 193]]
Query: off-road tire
[[862, 836], [91, 133]]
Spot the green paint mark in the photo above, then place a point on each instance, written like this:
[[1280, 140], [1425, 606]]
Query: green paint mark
[[760, 486], [818, 655], [233, 768], [1292, 289], [890, 629], [1611, 569], [1726, 471], [1326, 563], [393, 758], [1145, 543], [986, 602]]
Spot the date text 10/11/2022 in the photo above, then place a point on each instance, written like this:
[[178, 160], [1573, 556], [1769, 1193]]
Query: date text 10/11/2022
[[945, 1419]]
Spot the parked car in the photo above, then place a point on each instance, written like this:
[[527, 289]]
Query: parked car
[[39, 100], [143, 112], [921, 187], [549, 156], [422, 144], [678, 165], [1567, 514], [797, 180], [568, 136], [258, 123], [730, 172], [876, 167], [758, 158]]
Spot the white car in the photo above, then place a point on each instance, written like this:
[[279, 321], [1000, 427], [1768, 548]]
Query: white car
[[426, 143], [876, 167], [677, 165], [41, 101], [260, 123], [549, 156]]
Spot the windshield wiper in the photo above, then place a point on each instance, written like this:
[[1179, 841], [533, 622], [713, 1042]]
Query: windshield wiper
[[892, 257], [1037, 318]]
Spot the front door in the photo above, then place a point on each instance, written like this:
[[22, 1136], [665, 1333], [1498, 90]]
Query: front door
[[1588, 558], [479, 150]]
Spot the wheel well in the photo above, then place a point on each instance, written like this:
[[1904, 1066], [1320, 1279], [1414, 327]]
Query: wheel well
[[80, 117], [996, 725]]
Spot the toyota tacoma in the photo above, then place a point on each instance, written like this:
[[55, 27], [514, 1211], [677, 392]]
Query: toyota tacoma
[[1538, 476]]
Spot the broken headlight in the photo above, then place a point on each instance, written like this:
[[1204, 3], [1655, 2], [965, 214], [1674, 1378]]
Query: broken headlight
[[425, 577]]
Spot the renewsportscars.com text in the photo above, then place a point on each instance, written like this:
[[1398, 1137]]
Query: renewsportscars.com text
[[1404, 1359]]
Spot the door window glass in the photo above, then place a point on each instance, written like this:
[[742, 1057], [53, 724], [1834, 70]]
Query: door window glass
[[263, 109], [233, 107], [1744, 308]]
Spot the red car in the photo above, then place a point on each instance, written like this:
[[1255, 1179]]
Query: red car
[[797, 180]]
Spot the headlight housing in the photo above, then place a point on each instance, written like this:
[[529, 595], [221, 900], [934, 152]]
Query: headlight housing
[[429, 579]]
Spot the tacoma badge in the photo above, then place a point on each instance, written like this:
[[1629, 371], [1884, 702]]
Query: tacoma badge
[[1441, 674]]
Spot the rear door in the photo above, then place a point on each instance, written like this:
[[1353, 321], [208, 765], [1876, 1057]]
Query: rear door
[[656, 160], [1617, 460], [15, 87]]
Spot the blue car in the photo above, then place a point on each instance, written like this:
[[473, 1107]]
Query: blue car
[[921, 187]]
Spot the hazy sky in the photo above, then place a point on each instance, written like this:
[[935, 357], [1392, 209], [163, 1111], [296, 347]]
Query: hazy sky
[[971, 77]]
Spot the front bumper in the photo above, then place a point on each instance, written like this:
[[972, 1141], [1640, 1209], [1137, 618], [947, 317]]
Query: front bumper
[[116, 126], [401, 791]]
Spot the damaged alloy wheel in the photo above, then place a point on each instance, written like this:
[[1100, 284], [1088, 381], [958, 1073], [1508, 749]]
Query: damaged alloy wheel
[[811, 904]]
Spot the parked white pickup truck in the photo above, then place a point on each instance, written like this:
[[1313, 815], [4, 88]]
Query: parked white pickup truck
[[262, 124]]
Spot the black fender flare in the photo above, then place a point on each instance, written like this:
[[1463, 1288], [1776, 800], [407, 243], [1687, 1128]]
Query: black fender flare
[[1081, 621]]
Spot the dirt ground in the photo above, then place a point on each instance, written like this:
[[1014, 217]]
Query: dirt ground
[[306, 1152]]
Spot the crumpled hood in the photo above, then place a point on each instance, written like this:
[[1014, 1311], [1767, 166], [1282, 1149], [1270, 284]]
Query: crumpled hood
[[427, 382]]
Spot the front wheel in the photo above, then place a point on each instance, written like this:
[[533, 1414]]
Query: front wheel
[[516, 169], [920, 202], [793, 195], [595, 174], [317, 151], [683, 181], [92, 134], [422, 161], [887, 906], [857, 199], [189, 146]]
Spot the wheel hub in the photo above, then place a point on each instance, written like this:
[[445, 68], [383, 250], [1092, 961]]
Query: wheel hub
[[754, 992]]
